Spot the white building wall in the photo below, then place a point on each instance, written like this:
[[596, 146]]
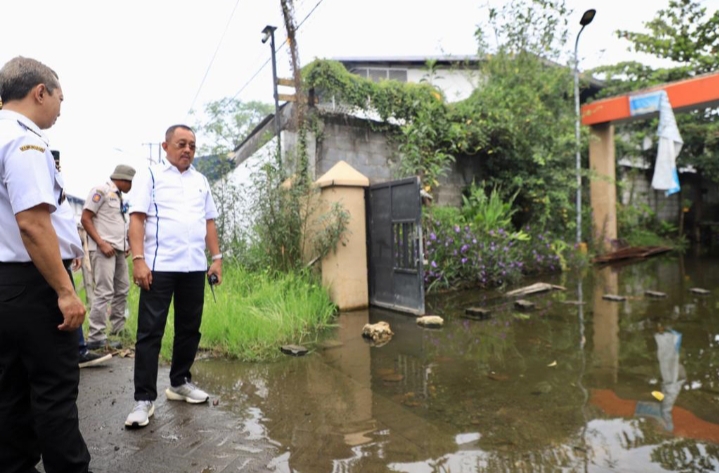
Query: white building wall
[[455, 83]]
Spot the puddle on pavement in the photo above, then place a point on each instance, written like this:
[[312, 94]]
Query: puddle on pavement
[[563, 387]]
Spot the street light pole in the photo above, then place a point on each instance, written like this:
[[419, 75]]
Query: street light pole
[[587, 18], [269, 33]]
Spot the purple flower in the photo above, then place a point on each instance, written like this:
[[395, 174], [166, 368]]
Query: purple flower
[[456, 229], [433, 264], [432, 236], [464, 260], [464, 248]]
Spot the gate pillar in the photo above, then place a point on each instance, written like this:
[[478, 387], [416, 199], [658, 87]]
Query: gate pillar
[[344, 270]]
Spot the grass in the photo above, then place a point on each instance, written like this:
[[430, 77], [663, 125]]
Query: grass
[[254, 315]]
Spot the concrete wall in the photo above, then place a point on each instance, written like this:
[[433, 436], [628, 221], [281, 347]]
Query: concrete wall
[[457, 179], [637, 190], [349, 139]]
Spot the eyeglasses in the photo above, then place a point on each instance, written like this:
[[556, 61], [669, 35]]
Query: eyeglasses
[[184, 144]]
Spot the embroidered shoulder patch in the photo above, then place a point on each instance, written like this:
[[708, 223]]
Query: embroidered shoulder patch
[[96, 197], [29, 147]]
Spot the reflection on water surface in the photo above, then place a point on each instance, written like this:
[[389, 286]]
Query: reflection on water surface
[[566, 387]]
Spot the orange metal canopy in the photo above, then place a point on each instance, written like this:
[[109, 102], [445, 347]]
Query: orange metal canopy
[[686, 423], [698, 92]]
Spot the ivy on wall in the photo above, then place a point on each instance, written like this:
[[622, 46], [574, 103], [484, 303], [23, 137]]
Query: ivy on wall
[[519, 126], [416, 115]]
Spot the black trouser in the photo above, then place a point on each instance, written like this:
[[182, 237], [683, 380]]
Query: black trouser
[[188, 290], [39, 378]]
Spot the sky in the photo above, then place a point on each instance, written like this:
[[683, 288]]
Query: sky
[[131, 69]]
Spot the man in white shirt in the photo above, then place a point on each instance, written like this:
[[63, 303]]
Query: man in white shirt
[[39, 310], [172, 223]]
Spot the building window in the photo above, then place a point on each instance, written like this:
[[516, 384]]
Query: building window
[[399, 75], [360, 72], [377, 74]]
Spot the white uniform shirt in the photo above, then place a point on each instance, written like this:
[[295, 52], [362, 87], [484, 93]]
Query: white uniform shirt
[[63, 220], [28, 178], [177, 206]]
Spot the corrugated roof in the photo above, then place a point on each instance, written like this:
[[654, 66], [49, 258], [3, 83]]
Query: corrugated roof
[[419, 60]]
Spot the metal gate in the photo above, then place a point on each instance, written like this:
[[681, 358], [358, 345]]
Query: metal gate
[[396, 273]]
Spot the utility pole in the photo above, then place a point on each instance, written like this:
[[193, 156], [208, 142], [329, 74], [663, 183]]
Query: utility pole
[[269, 33], [288, 12], [159, 152]]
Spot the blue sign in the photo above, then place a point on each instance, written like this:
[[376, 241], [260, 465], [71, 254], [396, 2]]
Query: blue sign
[[645, 103]]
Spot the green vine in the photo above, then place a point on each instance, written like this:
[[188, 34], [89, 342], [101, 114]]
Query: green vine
[[517, 129], [416, 115]]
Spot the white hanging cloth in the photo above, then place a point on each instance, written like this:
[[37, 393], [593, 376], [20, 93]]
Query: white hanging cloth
[[666, 177]]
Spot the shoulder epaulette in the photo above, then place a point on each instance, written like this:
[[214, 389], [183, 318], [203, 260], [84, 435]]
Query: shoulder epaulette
[[27, 128]]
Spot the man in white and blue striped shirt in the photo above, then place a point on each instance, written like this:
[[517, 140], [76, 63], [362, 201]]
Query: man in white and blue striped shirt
[[172, 224]]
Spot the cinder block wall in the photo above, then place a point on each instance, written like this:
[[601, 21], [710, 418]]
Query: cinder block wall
[[349, 139], [637, 190]]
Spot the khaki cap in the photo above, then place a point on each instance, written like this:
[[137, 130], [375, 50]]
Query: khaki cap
[[123, 172]]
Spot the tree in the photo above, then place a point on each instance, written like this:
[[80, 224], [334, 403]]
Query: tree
[[521, 118], [226, 122], [518, 125], [223, 125], [685, 34]]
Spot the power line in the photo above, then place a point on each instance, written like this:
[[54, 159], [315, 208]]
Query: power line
[[282, 44], [209, 66], [310, 13], [255, 74]]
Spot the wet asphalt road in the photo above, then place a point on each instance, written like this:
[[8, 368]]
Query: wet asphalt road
[[180, 438]]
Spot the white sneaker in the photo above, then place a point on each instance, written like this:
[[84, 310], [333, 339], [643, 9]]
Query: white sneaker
[[140, 415], [188, 392]]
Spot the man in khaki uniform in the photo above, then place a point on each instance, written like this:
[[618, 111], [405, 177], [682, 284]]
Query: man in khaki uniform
[[104, 220]]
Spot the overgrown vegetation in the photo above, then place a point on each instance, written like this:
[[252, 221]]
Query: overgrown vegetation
[[477, 245], [256, 312], [518, 125], [270, 222]]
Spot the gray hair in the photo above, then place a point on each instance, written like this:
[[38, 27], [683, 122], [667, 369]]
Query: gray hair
[[21, 74]]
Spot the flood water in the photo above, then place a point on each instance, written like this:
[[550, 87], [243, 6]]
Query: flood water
[[565, 387]]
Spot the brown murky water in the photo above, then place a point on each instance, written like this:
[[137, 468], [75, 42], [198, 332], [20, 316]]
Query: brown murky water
[[565, 387]]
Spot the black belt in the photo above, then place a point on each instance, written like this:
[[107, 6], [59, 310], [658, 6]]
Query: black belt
[[66, 262]]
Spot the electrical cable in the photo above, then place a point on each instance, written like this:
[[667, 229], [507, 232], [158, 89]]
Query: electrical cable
[[209, 66], [281, 45]]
